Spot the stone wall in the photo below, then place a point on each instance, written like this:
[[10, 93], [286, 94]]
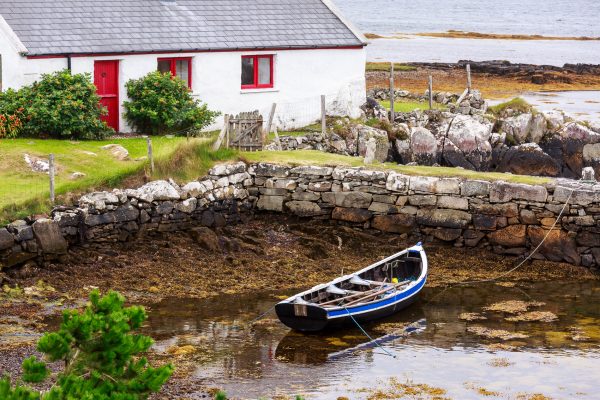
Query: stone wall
[[508, 218]]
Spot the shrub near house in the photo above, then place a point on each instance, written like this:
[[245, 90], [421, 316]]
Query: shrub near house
[[162, 103], [59, 105]]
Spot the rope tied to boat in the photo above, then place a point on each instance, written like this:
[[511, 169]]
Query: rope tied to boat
[[367, 334]]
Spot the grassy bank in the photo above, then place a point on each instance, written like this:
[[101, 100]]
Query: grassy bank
[[24, 192], [408, 106]]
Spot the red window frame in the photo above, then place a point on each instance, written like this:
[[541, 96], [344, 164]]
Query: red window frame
[[256, 85], [173, 61]]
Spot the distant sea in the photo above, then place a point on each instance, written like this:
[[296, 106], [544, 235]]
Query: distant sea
[[571, 18]]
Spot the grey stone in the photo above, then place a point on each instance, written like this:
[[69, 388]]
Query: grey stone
[[288, 184], [270, 203], [505, 210], [21, 230], [456, 203], [270, 170], [422, 200], [319, 186], [273, 191], [443, 218], [194, 189], [158, 191], [165, 207], [502, 192], [472, 188], [528, 217], [426, 184], [187, 206], [356, 215], [396, 223], [384, 208], [117, 151], [312, 171], [304, 208], [353, 199], [385, 198], [306, 196], [126, 213], [397, 182], [227, 169], [49, 237], [6, 239]]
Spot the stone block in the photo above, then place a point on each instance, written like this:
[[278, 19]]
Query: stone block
[[385, 198], [384, 208], [21, 230], [6, 239], [227, 169], [126, 213], [187, 206], [558, 246], [426, 184], [356, 215], [446, 234], [397, 182], [443, 218], [312, 170], [273, 191], [396, 223], [270, 170], [304, 208], [503, 192], [422, 200], [528, 217], [49, 237], [472, 237], [474, 188], [511, 236], [361, 174], [504, 210], [484, 222], [306, 196], [287, 184], [455, 203], [320, 186], [270, 203], [353, 199]]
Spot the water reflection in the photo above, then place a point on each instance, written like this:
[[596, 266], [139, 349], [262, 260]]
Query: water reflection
[[554, 358]]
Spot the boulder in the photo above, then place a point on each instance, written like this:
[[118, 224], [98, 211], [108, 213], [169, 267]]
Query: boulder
[[423, 147], [511, 236], [206, 238], [194, 189], [304, 208], [356, 215], [528, 159], [158, 190], [117, 151], [371, 147], [396, 223], [358, 137], [49, 237], [6, 239], [558, 246], [502, 192], [524, 128], [466, 143], [444, 218]]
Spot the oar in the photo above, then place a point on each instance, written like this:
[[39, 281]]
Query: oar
[[376, 293], [353, 295]]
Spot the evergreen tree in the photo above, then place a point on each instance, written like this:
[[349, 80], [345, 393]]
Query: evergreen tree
[[100, 355]]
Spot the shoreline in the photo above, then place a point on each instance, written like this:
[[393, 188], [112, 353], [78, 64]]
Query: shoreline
[[457, 34]]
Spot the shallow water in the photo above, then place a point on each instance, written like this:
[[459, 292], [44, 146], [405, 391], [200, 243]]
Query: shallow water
[[270, 359], [580, 105], [567, 18]]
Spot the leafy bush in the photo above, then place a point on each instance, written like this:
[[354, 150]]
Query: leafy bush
[[59, 105], [12, 113], [100, 355], [161, 103], [515, 106]]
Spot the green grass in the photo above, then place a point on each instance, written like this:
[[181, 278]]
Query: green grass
[[313, 157], [408, 106], [517, 104], [23, 192], [385, 66]]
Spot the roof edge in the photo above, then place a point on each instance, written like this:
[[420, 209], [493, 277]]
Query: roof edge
[[349, 24], [183, 51], [12, 36]]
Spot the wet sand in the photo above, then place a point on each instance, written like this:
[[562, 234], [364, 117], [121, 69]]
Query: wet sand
[[173, 276]]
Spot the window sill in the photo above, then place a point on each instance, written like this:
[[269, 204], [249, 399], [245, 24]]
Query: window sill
[[262, 90]]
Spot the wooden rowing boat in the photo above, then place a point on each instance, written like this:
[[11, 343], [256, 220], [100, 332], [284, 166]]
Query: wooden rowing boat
[[379, 290]]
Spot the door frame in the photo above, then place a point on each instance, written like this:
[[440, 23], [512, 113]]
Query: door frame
[[118, 94]]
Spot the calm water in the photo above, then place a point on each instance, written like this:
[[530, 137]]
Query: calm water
[[542, 17], [551, 18], [271, 360]]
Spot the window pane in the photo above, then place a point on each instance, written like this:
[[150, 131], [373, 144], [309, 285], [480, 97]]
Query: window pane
[[264, 70], [247, 71], [164, 66], [182, 69]]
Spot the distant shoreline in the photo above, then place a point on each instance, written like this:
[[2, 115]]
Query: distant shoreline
[[454, 34]]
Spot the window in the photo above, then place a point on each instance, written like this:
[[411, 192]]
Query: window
[[257, 72], [180, 67]]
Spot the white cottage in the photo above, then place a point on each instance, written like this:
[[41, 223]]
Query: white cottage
[[235, 55]]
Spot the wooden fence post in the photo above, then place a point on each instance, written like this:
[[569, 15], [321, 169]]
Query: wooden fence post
[[392, 94], [269, 123], [469, 78], [150, 155], [51, 173], [323, 116], [430, 92]]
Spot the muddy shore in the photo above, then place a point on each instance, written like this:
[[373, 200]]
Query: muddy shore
[[495, 79], [272, 253]]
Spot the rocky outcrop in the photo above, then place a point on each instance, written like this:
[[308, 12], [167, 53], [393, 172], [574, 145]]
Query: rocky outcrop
[[526, 159]]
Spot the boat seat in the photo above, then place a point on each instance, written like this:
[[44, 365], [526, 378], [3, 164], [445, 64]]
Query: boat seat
[[335, 290], [357, 280]]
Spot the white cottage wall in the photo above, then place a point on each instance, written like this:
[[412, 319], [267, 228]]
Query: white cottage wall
[[300, 76]]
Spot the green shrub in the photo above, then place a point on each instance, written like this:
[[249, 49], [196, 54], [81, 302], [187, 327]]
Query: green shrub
[[59, 105], [161, 103], [101, 356], [12, 113], [517, 105]]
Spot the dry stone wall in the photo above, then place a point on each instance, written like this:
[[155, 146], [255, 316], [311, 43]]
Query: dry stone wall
[[506, 217]]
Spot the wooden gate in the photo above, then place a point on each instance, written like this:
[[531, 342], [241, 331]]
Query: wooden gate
[[245, 131]]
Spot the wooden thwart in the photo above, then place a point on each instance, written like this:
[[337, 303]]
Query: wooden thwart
[[356, 297]]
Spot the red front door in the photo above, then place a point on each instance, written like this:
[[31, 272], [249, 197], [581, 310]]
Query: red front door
[[106, 79]]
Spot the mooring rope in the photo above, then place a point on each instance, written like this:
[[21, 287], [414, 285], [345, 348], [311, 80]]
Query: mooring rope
[[369, 336]]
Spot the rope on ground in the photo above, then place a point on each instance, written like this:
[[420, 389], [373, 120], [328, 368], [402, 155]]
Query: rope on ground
[[367, 335]]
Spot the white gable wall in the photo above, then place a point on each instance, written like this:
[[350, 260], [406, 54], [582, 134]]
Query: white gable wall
[[300, 77]]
